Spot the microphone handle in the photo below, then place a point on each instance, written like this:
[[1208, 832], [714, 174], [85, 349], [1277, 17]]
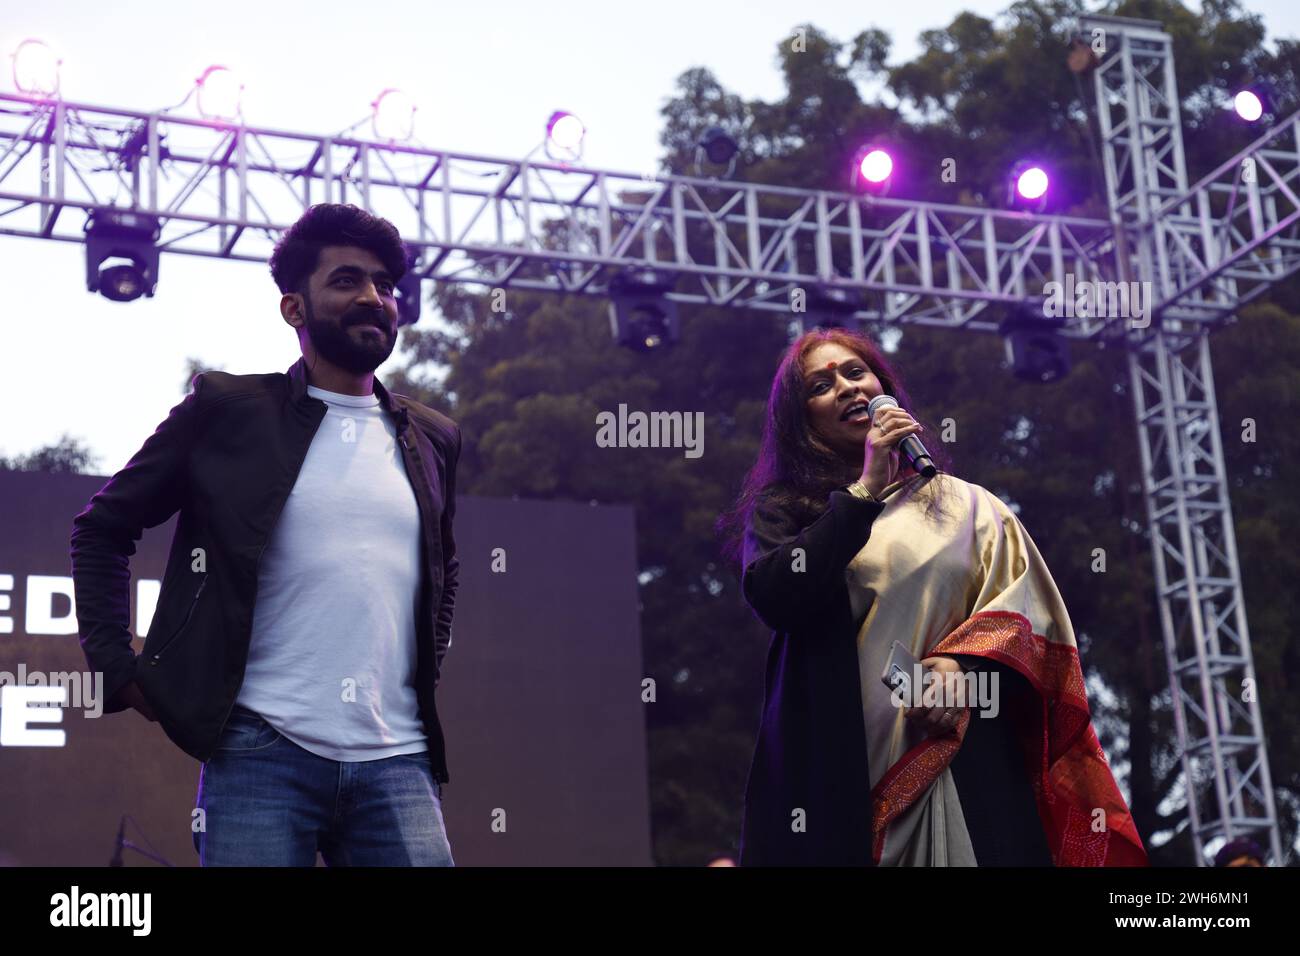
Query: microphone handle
[[918, 456], [911, 446]]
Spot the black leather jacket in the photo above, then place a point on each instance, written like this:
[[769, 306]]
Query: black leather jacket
[[227, 458]]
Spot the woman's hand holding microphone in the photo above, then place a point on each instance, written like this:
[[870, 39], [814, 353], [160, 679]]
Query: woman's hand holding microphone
[[890, 426]]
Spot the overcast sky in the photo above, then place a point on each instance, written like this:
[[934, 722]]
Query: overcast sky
[[485, 76]]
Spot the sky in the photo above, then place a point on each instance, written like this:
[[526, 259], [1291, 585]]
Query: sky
[[485, 78]]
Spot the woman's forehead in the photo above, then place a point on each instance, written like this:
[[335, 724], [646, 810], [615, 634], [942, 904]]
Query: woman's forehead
[[827, 356]]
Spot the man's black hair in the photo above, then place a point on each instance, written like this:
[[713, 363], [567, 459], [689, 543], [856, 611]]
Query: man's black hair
[[297, 254], [1242, 846]]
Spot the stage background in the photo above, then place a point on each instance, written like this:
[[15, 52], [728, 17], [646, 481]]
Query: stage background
[[539, 699]]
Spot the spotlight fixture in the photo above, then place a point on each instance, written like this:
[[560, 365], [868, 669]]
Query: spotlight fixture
[[718, 148], [1248, 105], [1255, 102], [36, 68], [393, 116], [1027, 186], [641, 315], [565, 133], [872, 171], [129, 240], [831, 306], [1035, 350], [220, 94]]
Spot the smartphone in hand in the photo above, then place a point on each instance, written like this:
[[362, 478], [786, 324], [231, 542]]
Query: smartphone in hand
[[899, 670]]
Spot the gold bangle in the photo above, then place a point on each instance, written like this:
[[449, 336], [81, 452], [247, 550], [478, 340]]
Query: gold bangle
[[859, 490]]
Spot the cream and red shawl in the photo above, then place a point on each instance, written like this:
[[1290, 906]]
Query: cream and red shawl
[[971, 581]]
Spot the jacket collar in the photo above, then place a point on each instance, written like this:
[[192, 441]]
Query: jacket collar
[[298, 391]]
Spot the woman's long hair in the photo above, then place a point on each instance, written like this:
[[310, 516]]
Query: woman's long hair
[[796, 469]]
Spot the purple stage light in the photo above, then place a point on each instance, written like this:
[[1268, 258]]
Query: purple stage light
[[1032, 183], [220, 93], [565, 131], [393, 116], [872, 171], [36, 69], [876, 166], [1248, 105]]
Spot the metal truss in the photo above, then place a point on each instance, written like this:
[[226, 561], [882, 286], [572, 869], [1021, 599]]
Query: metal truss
[[1137, 110], [1202, 609], [228, 191], [1204, 263], [1236, 233]]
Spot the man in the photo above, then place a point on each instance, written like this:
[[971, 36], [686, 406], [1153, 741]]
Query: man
[[308, 597], [1242, 851]]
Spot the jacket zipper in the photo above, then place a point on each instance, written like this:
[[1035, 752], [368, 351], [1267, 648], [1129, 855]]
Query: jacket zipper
[[157, 655]]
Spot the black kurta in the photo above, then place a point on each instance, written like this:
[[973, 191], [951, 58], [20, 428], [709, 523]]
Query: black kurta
[[811, 752]]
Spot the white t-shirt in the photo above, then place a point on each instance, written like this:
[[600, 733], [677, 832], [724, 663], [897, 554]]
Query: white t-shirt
[[331, 664]]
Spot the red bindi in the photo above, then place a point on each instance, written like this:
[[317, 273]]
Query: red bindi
[[830, 364]]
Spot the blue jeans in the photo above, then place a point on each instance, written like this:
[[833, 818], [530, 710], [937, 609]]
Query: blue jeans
[[268, 802]]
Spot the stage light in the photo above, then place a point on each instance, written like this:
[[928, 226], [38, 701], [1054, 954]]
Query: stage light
[[1248, 105], [1032, 183], [1027, 186], [393, 116], [1035, 349], [876, 166], [641, 315], [36, 69], [873, 170], [830, 306], [565, 131], [715, 148], [719, 147], [1256, 101], [219, 94], [131, 240], [121, 283]]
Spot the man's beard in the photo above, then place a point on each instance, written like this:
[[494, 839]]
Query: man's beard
[[335, 344]]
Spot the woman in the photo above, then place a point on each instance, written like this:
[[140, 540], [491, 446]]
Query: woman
[[845, 549]]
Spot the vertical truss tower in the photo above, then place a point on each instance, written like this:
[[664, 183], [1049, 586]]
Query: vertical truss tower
[[1189, 245]]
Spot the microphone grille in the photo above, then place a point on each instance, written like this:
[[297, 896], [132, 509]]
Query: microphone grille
[[879, 402]]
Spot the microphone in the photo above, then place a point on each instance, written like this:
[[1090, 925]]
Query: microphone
[[911, 446]]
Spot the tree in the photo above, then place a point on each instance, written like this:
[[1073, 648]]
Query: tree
[[68, 454], [193, 367]]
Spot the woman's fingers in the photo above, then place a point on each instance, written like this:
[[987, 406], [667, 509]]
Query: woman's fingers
[[934, 719], [941, 719], [895, 435], [891, 416], [926, 717], [898, 434], [894, 423]]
